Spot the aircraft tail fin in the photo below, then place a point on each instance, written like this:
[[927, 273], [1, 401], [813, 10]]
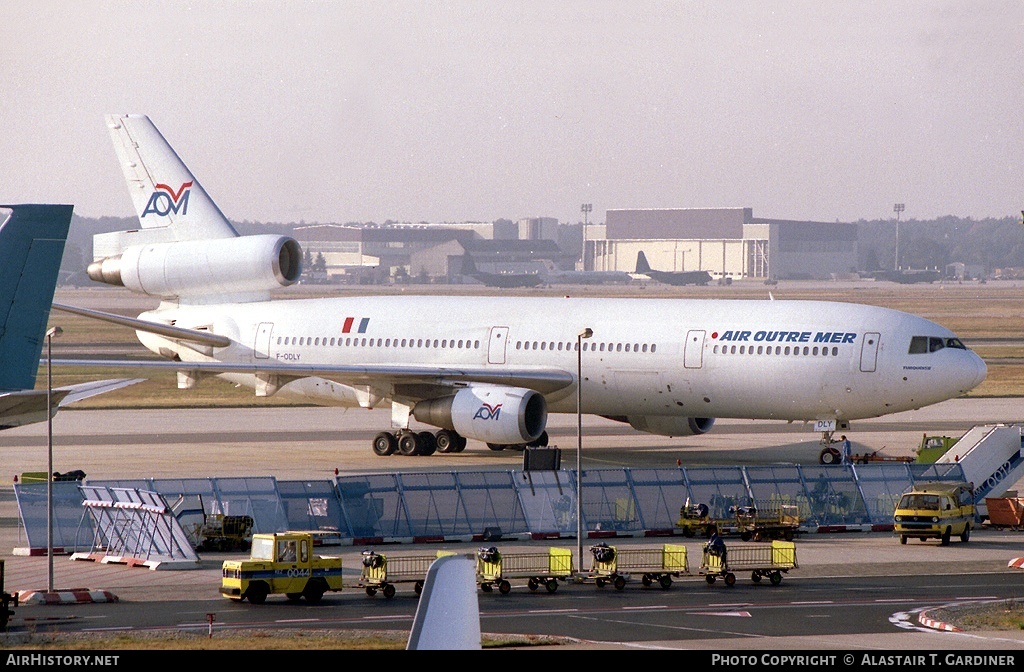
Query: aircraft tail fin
[[165, 193], [31, 247], [641, 263], [448, 613], [185, 250]]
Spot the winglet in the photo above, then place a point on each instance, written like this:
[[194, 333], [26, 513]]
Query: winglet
[[31, 247], [448, 613]]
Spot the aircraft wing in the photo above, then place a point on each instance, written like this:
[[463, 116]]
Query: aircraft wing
[[73, 393], [543, 380]]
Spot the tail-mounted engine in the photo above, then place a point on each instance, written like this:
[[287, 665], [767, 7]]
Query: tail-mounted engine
[[197, 267], [501, 415]]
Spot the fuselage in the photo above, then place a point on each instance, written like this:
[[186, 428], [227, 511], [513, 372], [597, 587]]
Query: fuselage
[[786, 360]]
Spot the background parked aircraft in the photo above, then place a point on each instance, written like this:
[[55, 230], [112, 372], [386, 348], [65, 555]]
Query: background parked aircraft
[[671, 277], [500, 279], [31, 246]]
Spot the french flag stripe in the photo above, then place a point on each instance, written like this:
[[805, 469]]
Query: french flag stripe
[[363, 323], [348, 325]]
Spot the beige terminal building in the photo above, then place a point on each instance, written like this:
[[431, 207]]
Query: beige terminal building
[[728, 243]]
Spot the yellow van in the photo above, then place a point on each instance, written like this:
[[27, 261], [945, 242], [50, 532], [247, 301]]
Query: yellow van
[[935, 510]]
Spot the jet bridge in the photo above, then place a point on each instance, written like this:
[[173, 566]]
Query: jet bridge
[[991, 458]]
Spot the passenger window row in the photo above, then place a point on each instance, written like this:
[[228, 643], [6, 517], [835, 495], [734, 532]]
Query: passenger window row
[[380, 342], [812, 351], [592, 347]]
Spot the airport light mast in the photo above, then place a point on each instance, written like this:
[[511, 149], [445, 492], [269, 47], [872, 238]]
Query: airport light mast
[[898, 208]]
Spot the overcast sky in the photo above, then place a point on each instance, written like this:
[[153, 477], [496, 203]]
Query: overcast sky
[[478, 110]]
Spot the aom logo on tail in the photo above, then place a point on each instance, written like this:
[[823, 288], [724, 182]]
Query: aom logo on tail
[[165, 200], [488, 412]]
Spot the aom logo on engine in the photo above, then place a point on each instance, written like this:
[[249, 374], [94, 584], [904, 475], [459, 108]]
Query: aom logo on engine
[[487, 412], [165, 200]]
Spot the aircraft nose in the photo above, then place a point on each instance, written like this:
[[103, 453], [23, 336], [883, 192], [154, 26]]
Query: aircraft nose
[[980, 371]]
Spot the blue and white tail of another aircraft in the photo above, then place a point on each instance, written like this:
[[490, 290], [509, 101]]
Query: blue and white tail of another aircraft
[[32, 238], [491, 368]]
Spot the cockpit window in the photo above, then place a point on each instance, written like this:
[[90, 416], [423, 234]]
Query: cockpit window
[[923, 344]]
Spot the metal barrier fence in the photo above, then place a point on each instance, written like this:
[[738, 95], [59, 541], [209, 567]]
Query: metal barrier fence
[[402, 506]]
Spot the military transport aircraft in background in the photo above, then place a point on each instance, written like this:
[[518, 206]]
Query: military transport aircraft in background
[[491, 368], [670, 277], [499, 279]]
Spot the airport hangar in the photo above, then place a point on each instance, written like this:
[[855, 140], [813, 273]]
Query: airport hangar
[[729, 243]]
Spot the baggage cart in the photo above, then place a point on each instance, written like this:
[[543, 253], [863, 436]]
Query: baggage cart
[[758, 559], [777, 522], [694, 520], [616, 566], [381, 572], [494, 569]]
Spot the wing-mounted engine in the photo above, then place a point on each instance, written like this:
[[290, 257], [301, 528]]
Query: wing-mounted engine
[[223, 266], [490, 413], [670, 425]]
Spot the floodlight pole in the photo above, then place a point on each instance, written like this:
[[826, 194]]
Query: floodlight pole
[[50, 335], [586, 333], [898, 208]]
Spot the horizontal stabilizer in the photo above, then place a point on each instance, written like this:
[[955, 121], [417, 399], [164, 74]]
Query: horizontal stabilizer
[[26, 407]]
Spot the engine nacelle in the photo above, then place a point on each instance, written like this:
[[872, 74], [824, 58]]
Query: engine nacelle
[[670, 425], [490, 413], [196, 267]]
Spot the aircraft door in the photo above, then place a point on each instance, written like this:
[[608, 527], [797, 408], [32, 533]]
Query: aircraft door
[[693, 350], [496, 345], [261, 348], [869, 351]]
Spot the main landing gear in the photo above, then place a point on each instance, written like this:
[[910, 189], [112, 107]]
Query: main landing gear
[[409, 443]]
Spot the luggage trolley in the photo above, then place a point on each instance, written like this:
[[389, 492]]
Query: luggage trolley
[[382, 572], [494, 569], [781, 521], [759, 559], [616, 565]]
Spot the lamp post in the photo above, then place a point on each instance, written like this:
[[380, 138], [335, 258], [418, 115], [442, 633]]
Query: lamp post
[[898, 208], [51, 333], [586, 209], [586, 333]]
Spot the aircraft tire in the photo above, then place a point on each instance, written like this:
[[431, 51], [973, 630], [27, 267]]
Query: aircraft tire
[[828, 456], [446, 440], [409, 444], [385, 444], [428, 444]]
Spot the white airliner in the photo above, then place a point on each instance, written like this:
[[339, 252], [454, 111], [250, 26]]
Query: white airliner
[[491, 368]]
